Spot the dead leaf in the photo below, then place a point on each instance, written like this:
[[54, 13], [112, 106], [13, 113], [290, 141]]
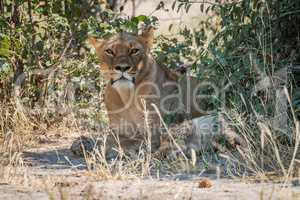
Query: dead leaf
[[205, 183]]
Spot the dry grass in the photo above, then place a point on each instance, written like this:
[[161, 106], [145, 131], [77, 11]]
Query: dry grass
[[16, 132], [265, 151]]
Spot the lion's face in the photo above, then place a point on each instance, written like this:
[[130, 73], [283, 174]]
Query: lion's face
[[122, 57]]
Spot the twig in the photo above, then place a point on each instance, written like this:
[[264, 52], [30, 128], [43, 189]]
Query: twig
[[202, 2], [133, 8], [65, 49], [171, 136]]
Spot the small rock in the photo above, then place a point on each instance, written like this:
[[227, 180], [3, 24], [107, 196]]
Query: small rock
[[205, 183]]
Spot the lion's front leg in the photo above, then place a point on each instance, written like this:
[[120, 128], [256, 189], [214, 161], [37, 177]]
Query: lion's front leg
[[131, 138], [123, 137]]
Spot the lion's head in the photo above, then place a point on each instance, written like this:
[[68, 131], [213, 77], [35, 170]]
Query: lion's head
[[123, 56]]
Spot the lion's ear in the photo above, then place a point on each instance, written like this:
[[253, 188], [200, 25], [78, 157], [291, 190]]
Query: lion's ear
[[148, 36], [96, 43]]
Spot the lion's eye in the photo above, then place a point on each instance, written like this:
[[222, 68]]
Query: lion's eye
[[134, 51], [109, 52]]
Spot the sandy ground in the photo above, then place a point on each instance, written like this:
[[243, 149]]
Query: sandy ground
[[53, 172]]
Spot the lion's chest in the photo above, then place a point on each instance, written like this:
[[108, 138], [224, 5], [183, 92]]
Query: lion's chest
[[122, 106]]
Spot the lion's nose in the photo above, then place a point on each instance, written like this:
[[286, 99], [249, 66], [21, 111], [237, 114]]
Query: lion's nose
[[122, 68]]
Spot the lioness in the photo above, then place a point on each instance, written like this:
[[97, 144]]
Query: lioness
[[133, 75]]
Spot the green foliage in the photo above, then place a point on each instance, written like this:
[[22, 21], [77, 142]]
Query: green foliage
[[5, 46], [114, 24], [174, 53], [238, 44], [43, 52]]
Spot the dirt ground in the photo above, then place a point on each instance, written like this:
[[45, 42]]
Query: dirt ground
[[53, 172]]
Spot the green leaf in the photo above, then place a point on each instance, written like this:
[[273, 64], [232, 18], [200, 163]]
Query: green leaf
[[142, 18], [5, 52], [5, 46], [170, 27], [179, 6], [202, 7], [173, 5], [188, 8]]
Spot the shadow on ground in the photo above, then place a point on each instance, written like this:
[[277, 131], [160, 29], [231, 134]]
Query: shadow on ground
[[54, 159]]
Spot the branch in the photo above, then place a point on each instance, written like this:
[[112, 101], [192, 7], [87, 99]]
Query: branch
[[202, 2], [208, 2], [65, 49]]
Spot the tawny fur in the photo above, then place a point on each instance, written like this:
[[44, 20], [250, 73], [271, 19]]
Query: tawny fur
[[123, 98]]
